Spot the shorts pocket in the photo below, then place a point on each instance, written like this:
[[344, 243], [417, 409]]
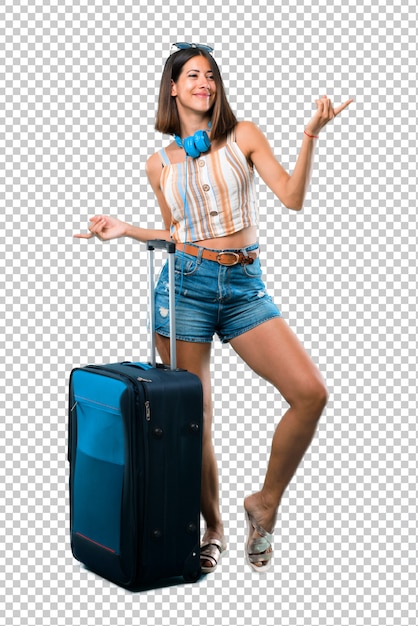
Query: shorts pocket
[[185, 264], [253, 270]]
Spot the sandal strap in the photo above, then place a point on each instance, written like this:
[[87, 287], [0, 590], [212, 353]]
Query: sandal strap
[[261, 531], [210, 558], [212, 542], [211, 551], [260, 558], [259, 545]]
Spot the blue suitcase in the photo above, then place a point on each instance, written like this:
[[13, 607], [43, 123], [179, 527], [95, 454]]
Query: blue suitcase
[[135, 447]]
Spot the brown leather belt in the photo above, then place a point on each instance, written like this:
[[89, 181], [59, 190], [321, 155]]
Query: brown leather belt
[[223, 257]]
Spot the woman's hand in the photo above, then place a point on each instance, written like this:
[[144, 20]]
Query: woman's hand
[[104, 227], [324, 114]]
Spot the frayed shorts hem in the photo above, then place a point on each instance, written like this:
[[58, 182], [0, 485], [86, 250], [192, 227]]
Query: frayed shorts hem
[[222, 339], [254, 325], [162, 333]]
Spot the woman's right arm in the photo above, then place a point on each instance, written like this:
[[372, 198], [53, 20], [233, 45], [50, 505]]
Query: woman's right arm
[[106, 227]]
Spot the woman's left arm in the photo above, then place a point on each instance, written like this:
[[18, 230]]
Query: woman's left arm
[[290, 189]]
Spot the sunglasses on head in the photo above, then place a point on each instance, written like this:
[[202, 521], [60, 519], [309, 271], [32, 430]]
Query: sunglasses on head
[[184, 45]]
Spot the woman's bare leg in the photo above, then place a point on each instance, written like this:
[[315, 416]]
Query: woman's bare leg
[[274, 353]]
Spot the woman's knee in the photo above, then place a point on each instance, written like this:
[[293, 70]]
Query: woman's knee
[[311, 397], [321, 396]]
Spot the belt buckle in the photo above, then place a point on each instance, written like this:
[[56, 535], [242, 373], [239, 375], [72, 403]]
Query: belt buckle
[[235, 258]]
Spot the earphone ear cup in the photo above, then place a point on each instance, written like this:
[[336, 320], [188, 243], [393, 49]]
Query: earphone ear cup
[[195, 144], [178, 141], [201, 140], [190, 148]]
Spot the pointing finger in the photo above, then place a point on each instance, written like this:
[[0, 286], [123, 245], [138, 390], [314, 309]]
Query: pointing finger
[[338, 110], [83, 236]]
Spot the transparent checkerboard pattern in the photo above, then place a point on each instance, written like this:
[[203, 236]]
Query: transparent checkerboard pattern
[[79, 83]]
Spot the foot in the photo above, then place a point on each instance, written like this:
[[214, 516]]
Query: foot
[[212, 546], [261, 523], [210, 553]]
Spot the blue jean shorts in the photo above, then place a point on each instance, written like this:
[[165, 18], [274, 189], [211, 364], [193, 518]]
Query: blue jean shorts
[[213, 298]]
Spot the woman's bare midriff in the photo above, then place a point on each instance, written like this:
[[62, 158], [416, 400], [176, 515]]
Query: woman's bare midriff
[[241, 239]]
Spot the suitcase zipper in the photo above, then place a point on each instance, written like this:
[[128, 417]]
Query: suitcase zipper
[[140, 379]]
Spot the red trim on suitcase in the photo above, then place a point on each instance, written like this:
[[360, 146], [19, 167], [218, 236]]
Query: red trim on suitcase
[[96, 543]]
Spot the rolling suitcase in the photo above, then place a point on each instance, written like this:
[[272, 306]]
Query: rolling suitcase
[[135, 445]]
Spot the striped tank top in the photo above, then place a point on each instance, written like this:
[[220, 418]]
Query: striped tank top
[[211, 196]]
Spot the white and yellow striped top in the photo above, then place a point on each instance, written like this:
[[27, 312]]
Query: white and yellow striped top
[[211, 196]]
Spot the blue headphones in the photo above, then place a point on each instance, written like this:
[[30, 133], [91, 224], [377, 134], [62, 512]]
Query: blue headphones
[[195, 144]]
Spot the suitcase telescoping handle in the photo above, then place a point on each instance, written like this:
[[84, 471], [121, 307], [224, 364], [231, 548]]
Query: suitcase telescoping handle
[[170, 247]]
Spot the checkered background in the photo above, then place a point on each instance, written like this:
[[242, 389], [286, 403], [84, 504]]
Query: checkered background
[[79, 82]]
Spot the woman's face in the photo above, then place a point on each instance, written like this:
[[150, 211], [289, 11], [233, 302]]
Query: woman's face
[[195, 89]]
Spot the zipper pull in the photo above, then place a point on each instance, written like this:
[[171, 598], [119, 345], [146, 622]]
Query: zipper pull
[[147, 411]]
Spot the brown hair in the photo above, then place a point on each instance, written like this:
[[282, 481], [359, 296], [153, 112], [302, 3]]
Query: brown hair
[[167, 120]]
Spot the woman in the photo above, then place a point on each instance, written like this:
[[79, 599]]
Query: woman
[[205, 190]]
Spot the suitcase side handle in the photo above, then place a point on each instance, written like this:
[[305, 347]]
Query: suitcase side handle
[[170, 247]]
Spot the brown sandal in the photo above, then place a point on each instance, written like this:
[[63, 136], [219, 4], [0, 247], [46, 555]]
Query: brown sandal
[[211, 551], [258, 551]]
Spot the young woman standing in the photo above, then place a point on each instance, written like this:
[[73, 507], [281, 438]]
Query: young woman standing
[[204, 184]]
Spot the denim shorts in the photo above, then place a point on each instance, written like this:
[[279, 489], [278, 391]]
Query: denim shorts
[[213, 298]]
